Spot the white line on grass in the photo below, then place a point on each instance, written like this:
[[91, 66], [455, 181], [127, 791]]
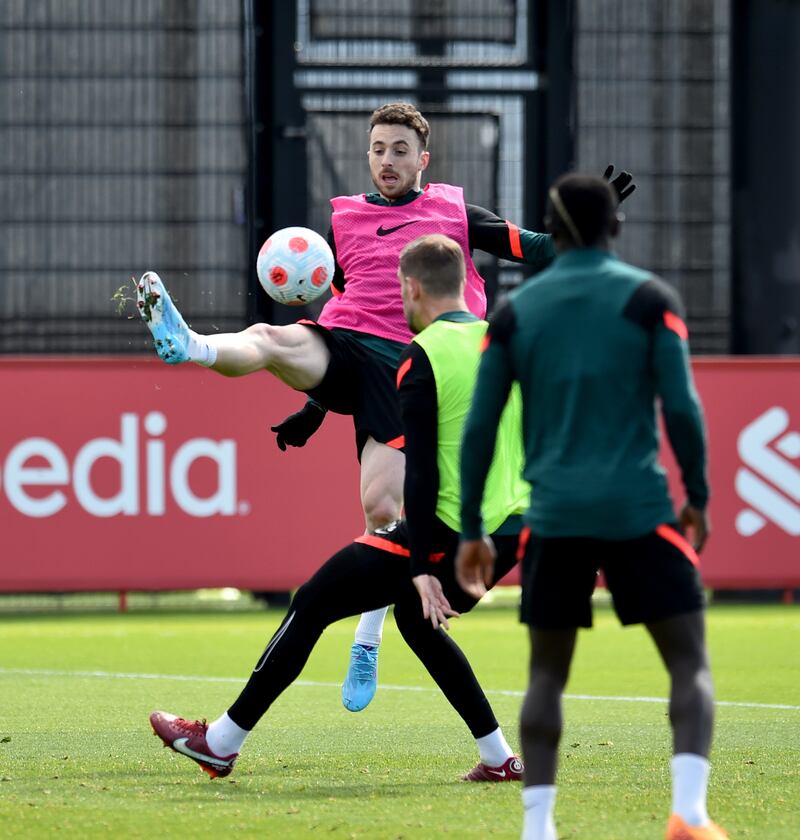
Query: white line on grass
[[41, 672]]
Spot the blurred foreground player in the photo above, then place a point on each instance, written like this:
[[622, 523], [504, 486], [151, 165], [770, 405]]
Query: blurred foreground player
[[409, 563], [593, 343]]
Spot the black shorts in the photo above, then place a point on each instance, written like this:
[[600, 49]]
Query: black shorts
[[650, 578], [393, 539], [361, 383]]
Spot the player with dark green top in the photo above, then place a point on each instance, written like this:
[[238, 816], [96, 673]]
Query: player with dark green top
[[595, 340], [594, 344]]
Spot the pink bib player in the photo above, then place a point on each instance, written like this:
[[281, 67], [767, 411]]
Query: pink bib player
[[369, 239]]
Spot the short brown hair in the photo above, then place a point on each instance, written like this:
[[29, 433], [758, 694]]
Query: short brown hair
[[402, 113], [437, 262]]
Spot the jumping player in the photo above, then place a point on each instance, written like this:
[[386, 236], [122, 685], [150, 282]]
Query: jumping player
[[409, 563], [593, 343]]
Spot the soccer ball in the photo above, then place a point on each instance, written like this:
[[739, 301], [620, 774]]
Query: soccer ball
[[295, 266]]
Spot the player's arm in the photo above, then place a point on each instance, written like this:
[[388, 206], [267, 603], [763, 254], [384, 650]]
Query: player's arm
[[658, 306], [416, 390], [503, 239], [474, 564], [297, 428], [495, 377], [488, 232], [419, 411]]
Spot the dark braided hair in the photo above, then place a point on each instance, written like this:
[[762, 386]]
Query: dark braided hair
[[582, 208]]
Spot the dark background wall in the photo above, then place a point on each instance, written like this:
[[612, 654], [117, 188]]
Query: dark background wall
[[652, 93], [177, 135], [122, 148], [766, 176]]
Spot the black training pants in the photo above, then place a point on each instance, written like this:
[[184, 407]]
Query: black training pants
[[357, 579]]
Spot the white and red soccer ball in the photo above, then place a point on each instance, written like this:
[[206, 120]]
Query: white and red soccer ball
[[295, 266]]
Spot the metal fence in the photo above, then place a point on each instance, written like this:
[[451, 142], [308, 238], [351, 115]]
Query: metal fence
[[652, 94], [126, 136], [122, 148]]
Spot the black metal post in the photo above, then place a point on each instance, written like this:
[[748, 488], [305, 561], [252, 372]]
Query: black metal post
[[277, 188]]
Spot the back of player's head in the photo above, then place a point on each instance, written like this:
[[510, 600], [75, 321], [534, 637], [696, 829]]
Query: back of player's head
[[402, 113], [437, 262], [582, 209]]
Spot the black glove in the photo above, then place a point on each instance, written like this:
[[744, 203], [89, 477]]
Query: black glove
[[620, 183], [297, 428]]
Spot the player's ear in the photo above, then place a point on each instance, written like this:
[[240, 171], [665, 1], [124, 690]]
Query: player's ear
[[424, 160], [414, 287]]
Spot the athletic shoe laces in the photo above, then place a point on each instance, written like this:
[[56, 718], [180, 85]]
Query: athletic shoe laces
[[364, 665], [191, 726]]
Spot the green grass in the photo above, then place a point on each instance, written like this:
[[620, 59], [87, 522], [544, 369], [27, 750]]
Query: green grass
[[77, 757]]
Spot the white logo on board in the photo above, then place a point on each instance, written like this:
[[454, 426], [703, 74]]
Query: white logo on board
[[769, 483], [36, 468]]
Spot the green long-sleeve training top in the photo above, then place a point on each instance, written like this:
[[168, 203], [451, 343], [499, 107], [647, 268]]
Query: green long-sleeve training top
[[594, 343]]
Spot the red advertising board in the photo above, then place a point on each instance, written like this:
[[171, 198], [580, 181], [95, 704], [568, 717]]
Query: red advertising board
[[752, 409], [133, 475], [128, 474]]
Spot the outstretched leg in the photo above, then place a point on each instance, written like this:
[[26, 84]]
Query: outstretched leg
[[294, 353], [357, 578]]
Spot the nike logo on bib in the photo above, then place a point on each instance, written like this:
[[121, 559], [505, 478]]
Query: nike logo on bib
[[382, 231]]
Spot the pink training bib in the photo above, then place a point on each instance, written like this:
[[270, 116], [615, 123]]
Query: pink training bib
[[369, 239]]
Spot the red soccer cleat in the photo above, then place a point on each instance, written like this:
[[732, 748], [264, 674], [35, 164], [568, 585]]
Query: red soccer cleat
[[677, 829], [188, 737], [509, 771]]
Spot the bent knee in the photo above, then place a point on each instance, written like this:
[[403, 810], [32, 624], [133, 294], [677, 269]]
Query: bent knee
[[309, 596], [266, 334], [380, 513], [381, 505]]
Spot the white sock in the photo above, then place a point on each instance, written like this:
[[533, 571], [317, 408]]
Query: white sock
[[494, 748], [538, 802], [224, 737], [370, 627], [689, 787], [199, 350]]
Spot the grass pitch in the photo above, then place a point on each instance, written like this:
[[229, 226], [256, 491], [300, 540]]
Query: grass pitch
[[77, 757]]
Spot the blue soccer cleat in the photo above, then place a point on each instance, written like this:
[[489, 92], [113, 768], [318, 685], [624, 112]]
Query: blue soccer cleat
[[170, 333], [361, 682]]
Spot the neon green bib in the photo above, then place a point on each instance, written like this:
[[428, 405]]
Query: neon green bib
[[453, 349]]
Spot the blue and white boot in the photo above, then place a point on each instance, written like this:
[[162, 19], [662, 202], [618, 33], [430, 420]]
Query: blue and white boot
[[361, 682], [170, 333]]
